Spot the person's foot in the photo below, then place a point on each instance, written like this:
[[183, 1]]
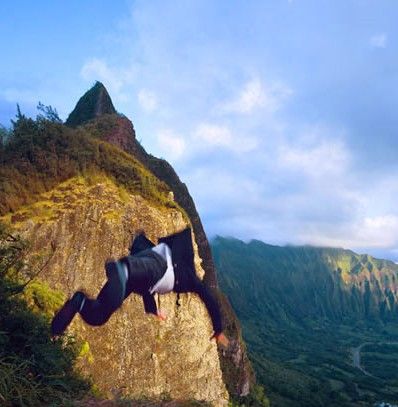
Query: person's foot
[[64, 316]]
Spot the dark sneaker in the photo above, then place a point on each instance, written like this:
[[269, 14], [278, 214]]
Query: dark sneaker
[[64, 316]]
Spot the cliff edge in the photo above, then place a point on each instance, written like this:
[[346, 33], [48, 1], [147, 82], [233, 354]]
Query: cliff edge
[[82, 191]]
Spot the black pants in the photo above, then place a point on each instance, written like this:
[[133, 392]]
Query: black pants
[[144, 270]]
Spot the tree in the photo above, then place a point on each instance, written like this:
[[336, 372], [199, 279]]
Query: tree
[[4, 135], [12, 251], [21, 124], [48, 113]]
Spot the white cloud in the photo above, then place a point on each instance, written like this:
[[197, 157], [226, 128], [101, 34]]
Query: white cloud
[[214, 135], [381, 223], [303, 189], [239, 195], [15, 95], [147, 100], [99, 69], [115, 80], [378, 40], [208, 135], [379, 231], [257, 95], [171, 144], [326, 157]]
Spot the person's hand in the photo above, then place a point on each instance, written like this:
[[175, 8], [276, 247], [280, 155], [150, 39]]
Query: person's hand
[[221, 339], [161, 315]]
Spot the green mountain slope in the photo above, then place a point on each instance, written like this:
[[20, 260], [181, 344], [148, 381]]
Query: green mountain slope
[[296, 283], [303, 310]]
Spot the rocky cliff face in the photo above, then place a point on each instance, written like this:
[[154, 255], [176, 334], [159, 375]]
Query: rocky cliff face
[[118, 130], [67, 188], [133, 354]]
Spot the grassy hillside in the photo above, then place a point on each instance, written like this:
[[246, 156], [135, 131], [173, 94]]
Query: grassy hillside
[[41, 154], [303, 310]]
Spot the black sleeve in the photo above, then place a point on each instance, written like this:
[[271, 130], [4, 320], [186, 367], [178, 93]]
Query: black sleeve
[[211, 304], [140, 243], [150, 304]]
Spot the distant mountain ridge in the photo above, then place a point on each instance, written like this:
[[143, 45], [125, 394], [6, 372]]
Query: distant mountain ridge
[[298, 282], [303, 310]]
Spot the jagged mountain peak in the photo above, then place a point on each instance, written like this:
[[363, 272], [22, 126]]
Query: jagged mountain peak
[[94, 103]]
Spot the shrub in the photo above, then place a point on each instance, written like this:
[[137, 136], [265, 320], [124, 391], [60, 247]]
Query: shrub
[[34, 369]]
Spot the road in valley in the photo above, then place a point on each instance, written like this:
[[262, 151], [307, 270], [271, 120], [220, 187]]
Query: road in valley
[[356, 358]]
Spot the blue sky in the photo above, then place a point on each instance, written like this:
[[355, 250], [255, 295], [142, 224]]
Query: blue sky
[[280, 116]]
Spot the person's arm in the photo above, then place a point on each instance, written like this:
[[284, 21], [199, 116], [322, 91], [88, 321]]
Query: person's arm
[[150, 304], [151, 308], [140, 243], [213, 309]]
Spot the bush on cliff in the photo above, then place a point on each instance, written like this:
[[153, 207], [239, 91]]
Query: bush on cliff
[[34, 369], [41, 153]]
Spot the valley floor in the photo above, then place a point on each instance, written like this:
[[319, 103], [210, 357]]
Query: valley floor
[[325, 364]]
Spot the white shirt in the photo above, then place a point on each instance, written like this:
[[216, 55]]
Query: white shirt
[[166, 283]]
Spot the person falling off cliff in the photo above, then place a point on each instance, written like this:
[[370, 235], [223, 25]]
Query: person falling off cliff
[[148, 269]]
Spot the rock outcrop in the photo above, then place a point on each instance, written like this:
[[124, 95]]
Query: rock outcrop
[[74, 192], [118, 130], [132, 355], [94, 103]]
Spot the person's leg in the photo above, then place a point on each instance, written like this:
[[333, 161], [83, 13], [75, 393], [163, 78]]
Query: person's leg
[[94, 312], [97, 311], [65, 315]]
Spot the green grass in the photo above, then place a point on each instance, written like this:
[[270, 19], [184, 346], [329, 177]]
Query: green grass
[[42, 154]]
